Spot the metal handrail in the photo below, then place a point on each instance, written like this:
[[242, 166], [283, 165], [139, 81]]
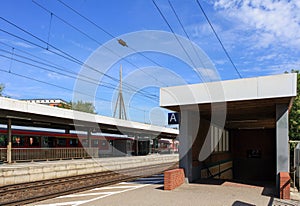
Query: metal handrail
[[31, 154]]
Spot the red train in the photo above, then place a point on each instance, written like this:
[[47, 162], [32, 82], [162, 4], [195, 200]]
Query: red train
[[110, 145], [168, 146]]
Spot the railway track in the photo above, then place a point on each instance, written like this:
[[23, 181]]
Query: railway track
[[20, 194]]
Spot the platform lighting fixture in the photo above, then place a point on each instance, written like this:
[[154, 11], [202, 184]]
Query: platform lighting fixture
[[77, 125], [42, 123], [249, 128], [16, 117], [243, 121]]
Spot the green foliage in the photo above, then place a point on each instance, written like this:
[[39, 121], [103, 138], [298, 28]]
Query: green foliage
[[83, 106], [294, 116], [1, 89], [65, 106]]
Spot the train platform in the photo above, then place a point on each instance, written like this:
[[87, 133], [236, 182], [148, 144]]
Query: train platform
[[149, 192], [34, 171]]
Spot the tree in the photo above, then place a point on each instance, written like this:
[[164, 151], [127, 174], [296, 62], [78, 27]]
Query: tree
[[294, 120], [294, 116], [83, 106], [1, 89], [65, 105]]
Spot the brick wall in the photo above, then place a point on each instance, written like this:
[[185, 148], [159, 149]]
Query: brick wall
[[173, 178], [284, 185]]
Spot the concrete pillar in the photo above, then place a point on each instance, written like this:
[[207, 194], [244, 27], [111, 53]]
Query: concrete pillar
[[137, 144], [282, 142], [67, 131], [89, 141], [173, 143], [9, 141], [189, 125]]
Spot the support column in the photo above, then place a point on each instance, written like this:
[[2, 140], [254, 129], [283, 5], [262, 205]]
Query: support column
[[137, 144], [282, 145], [189, 125], [9, 140], [67, 131], [89, 141], [173, 143]]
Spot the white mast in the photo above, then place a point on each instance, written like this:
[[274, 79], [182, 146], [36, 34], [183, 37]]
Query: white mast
[[120, 101]]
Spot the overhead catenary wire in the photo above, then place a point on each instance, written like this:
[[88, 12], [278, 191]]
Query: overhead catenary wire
[[57, 51], [175, 35], [63, 72], [214, 31], [122, 42], [88, 36], [32, 43], [44, 82], [60, 87], [49, 63], [186, 34]]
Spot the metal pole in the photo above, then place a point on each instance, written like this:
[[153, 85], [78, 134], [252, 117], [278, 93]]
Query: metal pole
[[173, 143], [9, 140], [137, 145], [89, 141]]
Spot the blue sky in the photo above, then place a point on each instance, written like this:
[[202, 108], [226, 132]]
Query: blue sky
[[262, 37]]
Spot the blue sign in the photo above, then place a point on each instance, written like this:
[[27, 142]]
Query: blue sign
[[173, 118]]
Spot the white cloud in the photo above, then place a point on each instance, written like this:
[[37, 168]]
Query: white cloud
[[200, 30], [267, 57], [55, 76], [81, 46], [273, 20], [209, 74], [22, 44]]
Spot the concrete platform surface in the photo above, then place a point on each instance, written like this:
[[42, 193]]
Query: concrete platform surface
[[35, 171], [149, 192]]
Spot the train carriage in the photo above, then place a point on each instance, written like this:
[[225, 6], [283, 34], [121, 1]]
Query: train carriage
[[168, 146], [33, 145], [34, 140]]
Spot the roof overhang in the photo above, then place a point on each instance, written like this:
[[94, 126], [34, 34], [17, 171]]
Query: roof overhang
[[31, 114], [249, 103]]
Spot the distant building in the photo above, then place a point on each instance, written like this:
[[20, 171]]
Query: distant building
[[50, 102]]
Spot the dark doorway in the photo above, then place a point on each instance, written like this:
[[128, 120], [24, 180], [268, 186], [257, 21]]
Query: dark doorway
[[254, 154]]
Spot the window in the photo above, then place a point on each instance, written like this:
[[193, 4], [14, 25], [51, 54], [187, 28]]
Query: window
[[84, 142], [104, 144], [219, 139], [61, 142], [73, 142], [3, 141], [95, 143], [33, 141], [18, 141]]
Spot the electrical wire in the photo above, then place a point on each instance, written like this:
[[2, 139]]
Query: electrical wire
[[186, 34], [61, 87], [59, 53], [214, 31], [166, 21], [111, 35], [75, 77]]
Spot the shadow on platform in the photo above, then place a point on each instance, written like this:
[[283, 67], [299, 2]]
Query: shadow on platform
[[239, 203], [268, 187]]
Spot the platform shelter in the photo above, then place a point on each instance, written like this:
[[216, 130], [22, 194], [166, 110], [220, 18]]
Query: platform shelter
[[234, 129], [31, 115]]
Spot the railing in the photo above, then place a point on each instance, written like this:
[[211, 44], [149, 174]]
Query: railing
[[3, 154], [30, 154]]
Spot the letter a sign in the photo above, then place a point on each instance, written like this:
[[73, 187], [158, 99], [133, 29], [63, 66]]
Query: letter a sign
[[173, 118]]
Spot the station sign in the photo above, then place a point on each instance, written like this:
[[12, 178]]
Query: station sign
[[173, 118]]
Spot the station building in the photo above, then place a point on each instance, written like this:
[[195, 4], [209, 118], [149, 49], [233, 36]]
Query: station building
[[235, 129]]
